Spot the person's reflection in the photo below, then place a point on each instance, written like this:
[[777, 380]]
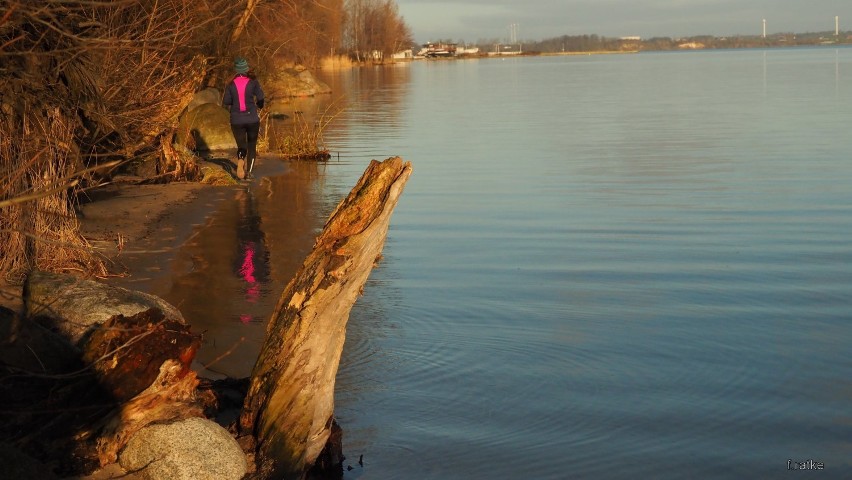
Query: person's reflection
[[252, 258]]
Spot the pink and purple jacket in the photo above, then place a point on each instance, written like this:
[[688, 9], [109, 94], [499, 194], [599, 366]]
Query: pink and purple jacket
[[243, 96]]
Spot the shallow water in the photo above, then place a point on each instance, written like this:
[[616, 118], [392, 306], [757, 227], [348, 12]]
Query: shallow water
[[632, 266]]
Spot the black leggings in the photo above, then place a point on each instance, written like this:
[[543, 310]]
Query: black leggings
[[246, 137]]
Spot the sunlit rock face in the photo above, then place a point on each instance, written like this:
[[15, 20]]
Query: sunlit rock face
[[208, 126]]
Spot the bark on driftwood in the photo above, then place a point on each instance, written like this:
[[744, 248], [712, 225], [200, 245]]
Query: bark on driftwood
[[143, 363], [290, 402]]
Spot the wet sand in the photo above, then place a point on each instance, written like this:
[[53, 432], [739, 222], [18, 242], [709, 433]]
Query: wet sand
[[134, 211], [119, 217]]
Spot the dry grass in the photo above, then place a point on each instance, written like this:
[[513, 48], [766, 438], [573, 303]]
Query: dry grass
[[336, 62], [89, 83], [83, 85], [38, 225], [301, 138]]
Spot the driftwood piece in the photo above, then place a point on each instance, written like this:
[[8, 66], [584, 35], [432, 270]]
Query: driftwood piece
[[170, 398], [143, 363], [126, 352], [290, 403]]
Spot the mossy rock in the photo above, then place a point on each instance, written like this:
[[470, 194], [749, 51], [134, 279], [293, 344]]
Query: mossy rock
[[208, 95], [209, 126], [216, 175]]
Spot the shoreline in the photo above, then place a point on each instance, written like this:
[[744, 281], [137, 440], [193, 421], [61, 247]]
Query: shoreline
[[116, 219], [119, 217], [111, 217]]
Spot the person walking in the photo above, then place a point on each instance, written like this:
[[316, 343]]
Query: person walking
[[244, 97]]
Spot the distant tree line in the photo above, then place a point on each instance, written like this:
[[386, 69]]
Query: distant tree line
[[579, 43], [747, 41], [308, 30], [375, 29], [595, 43]]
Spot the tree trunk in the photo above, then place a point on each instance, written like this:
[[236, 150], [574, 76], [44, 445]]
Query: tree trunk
[[290, 403], [244, 19]]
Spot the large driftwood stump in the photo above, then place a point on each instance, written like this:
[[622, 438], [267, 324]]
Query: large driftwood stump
[[290, 402], [143, 363]]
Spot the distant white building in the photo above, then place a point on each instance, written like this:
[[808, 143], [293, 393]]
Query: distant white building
[[403, 55]]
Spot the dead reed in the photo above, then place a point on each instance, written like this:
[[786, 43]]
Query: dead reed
[[302, 138]]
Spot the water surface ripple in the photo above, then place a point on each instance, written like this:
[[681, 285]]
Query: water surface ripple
[[616, 267], [613, 267]]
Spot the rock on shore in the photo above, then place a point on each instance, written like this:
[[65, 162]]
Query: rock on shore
[[192, 449], [73, 306]]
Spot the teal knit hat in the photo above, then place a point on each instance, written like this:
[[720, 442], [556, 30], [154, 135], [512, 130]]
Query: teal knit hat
[[241, 65]]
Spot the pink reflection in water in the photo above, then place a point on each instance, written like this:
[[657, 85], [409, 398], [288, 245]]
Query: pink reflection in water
[[247, 273]]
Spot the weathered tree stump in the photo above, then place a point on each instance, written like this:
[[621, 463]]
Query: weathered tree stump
[[290, 403], [143, 363], [126, 352]]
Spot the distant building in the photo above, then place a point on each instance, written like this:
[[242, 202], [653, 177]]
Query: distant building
[[403, 55], [631, 39], [431, 50]]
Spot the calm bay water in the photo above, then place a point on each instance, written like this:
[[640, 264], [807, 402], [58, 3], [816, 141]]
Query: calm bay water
[[616, 267], [606, 267]]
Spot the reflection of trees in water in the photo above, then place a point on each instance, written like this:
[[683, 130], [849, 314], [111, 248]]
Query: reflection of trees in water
[[380, 92]]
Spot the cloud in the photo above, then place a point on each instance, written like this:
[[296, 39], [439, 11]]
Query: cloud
[[537, 19]]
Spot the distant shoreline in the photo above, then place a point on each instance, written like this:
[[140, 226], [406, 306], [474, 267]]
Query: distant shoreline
[[603, 52], [615, 52]]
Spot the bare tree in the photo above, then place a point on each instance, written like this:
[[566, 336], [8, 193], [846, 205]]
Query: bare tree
[[83, 83], [375, 29], [302, 31]]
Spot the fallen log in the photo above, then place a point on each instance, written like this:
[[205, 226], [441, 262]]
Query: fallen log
[[126, 353], [290, 403], [128, 373]]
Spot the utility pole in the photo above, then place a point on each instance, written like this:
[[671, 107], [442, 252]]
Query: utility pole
[[513, 33], [764, 28], [837, 25]]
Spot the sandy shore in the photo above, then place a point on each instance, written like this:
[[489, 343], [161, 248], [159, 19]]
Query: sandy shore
[[132, 211], [124, 215]]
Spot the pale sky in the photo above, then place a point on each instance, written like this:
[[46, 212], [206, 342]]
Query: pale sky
[[471, 20]]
